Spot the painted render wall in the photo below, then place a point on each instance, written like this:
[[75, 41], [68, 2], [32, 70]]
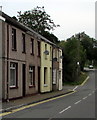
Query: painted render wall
[[55, 68], [60, 69], [20, 58], [0, 62], [46, 63]]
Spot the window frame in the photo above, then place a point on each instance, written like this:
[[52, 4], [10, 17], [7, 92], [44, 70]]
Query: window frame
[[32, 71], [23, 43], [32, 46], [38, 48], [14, 42], [45, 50], [16, 75]]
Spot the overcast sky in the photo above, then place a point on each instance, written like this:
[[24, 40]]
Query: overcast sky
[[73, 16]]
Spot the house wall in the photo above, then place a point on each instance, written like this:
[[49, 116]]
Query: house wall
[[46, 63], [20, 58], [1, 40], [33, 60], [60, 70], [55, 68]]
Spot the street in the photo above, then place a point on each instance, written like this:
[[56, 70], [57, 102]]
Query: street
[[80, 104]]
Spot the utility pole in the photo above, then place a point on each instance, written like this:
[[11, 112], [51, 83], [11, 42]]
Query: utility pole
[[78, 62]]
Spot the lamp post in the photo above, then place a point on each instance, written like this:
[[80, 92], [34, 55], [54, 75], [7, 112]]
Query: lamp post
[[78, 54]]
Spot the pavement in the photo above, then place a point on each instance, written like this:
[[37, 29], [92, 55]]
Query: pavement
[[13, 104]]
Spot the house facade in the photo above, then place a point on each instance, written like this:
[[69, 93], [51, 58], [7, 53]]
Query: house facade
[[25, 60], [57, 68], [46, 67]]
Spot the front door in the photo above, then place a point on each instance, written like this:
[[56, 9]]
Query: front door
[[39, 79], [23, 79]]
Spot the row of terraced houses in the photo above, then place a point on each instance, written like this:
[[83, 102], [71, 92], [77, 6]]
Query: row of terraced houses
[[29, 63]]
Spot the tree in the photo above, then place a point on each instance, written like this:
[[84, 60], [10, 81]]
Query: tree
[[73, 53], [37, 19], [51, 37]]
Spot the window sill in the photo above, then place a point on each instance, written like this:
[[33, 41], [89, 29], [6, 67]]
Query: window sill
[[38, 55], [13, 87], [45, 85], [31, 86], [32, 54], [24, 52], [14, 49], [54, 83]]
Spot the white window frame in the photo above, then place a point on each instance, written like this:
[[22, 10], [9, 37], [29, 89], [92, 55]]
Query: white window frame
[[13, 68], [54, 76], [31, 71]]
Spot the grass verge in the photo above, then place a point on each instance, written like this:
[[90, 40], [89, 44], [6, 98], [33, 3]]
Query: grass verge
[[80, 80]]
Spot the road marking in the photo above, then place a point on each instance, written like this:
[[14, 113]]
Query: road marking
[[77, 102], [85, 81], [90, 94], [65, 109], [1, 110], [93, 91], [84, 98], [31, 105], [75, 88]]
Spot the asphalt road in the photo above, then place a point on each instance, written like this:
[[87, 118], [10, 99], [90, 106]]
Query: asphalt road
[[80, 104]]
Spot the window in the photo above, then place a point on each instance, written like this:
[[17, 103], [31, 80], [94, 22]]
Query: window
[[59, 74], [59, 56], [54, 53], [32, 47], [13, 39], [13, 74], [31, 76], [38, 45], [50, 53], [54, 76], [45, 50], [23, 43], [45, 75]]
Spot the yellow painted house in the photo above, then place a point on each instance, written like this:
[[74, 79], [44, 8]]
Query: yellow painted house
[[46, 67]]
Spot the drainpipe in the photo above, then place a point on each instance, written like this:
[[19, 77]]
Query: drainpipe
[[52, 67], [7, 63]]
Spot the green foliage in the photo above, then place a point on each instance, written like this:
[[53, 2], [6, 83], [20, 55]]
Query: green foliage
[[73, 54], [80, 80], [37, 19], [50, 37]]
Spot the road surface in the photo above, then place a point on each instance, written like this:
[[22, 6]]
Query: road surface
[[80, 104]]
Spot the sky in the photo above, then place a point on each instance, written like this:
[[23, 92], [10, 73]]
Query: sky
[[73, 16]]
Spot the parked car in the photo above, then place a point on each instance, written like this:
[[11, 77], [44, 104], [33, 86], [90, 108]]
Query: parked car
[[90, 66]]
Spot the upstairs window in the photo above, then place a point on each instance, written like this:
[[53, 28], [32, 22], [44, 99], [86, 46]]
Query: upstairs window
[[50, 53], [45, 50], [31, 76], [32, 47], [13, 39], [23, 43], [38, 46]]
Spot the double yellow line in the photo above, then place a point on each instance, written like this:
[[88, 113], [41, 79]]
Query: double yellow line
[[31, 105], [85, 81]]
